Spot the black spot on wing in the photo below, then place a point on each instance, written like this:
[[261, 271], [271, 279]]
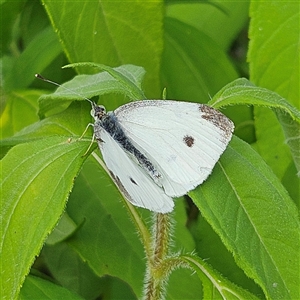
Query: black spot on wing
[[189, 140], [133, 181]]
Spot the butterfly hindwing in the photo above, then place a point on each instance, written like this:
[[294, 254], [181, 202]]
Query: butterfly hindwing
[[134, 183]]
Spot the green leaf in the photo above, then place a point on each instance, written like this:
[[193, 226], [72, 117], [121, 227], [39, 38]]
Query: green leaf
[[19, 104], [71, 272], [42, 50], [130, 32], [38, 288], [64, 229], [70, 123], [221, 21], [124, 80], [36, 179], [292, 135], [194, 67], [242, 91], [255, 218], [274, 48], [9, 14], [274, 64], [184, 284], [215, 286], [209, 245], [129, 76]]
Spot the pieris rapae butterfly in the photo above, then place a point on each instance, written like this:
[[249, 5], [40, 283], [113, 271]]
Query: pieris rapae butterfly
[[159, 149]]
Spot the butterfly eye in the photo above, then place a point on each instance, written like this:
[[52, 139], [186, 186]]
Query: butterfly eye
[[99, 111]]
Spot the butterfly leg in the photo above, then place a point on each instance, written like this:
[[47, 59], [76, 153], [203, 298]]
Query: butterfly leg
[[93, 138]]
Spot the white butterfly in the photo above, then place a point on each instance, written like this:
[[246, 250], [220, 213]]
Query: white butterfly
[[159, 149]]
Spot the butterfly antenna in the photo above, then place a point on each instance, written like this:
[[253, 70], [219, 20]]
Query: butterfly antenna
[[39, 76]]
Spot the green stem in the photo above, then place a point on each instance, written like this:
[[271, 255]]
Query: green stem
[[155, 275], [161, 241]]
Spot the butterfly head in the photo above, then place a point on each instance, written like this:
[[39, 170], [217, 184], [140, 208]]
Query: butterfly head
[[98, 111]]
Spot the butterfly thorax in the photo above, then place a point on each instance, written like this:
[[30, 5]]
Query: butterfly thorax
[[109, 122]]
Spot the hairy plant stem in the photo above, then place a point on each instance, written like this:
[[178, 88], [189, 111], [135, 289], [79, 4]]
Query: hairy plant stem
[[156, 275]]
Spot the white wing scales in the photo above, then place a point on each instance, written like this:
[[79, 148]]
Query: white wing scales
[[183, 140], [134, 183]]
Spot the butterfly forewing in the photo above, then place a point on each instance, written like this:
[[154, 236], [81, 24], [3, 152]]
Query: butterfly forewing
[[183, 140]]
